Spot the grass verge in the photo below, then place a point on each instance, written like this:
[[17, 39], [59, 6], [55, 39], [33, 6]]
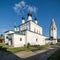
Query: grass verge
[[4, 47]]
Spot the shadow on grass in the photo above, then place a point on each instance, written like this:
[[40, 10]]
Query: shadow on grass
[[7, 55]]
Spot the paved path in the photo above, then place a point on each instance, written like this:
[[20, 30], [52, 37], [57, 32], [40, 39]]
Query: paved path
[[37, 55], [25, 55]]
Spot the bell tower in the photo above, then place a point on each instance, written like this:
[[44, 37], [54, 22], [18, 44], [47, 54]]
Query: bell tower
[[53, 30]]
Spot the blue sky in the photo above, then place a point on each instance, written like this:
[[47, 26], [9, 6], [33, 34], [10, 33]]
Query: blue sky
[[45, 10]]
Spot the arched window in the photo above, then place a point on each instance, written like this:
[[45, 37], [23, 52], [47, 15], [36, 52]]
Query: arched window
[[54, 28], [36, 39], [20, 39]]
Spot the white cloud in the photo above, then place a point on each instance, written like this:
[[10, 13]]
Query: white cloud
[[22, 3], [18, 7], [32, 9]]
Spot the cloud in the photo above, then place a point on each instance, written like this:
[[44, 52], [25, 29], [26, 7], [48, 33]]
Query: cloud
[[21, 6], [32, 9], [22, 3]]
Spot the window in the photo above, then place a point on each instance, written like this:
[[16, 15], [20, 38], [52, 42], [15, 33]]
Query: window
[[54, 28], [20, 39], [7, 37], [36, 40]]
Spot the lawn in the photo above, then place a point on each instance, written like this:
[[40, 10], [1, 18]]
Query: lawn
[[55, 56], [6, 48]]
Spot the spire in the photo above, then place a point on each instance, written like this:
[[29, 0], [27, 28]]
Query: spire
[[23, 19], [15, 27], [53, 23], [29, 13]]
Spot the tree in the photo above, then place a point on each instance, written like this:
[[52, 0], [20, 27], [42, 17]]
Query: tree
[[58, 39], [1, 38]]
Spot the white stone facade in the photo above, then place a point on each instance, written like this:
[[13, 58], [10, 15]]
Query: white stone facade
[[53, 29]]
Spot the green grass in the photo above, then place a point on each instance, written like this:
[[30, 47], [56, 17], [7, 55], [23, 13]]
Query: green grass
[[14, 50], [55, 56]]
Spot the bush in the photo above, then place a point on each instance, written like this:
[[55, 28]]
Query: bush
[[35, 45], [51, 43], [28, 45], [24, 45]]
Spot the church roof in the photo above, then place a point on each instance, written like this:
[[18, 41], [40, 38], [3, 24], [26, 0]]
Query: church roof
[[8, 31]]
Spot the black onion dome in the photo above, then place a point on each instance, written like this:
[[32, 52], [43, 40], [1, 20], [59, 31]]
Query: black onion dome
[[23, 18], [35, 18], [14, 26], [29, 14]]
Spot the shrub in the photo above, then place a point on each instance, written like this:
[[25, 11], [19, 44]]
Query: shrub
[[51, 43], [36, 45], [28, 45]]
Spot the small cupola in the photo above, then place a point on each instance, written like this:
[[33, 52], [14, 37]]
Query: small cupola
[[23, 20], [29, 16], [36, 21]]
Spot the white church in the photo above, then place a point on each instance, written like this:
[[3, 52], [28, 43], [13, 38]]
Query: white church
[[30, 32]]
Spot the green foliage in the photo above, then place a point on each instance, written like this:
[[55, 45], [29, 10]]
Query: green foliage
[[35, 45], [15, 50], [28, 45], [51, 43], [58, 39], [1, 38]]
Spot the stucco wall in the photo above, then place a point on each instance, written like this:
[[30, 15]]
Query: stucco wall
[[17, 42], [6, 35], [31, 38], [34, 27], [24, 26], [51, 41]]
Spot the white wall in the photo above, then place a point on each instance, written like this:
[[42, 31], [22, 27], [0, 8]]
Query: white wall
[[17, 42], [51, 41], [31, 38], [24, 26], [35, 28], [53, 32], [6, 35], [31, 26]]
